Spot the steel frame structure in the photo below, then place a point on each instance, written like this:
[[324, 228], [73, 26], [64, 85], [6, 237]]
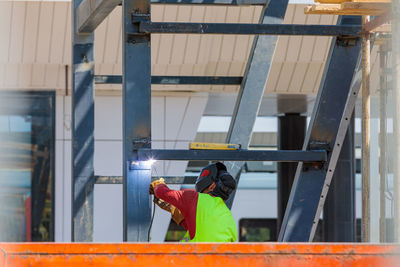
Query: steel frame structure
[[329, 121]]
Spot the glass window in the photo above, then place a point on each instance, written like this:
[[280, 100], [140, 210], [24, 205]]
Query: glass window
[[257, 230], [27, 131]]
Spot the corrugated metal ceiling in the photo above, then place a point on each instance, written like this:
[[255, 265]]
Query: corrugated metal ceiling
[[36, 36]]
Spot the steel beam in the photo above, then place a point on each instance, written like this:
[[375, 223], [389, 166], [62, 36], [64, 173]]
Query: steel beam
[[90, 13], [231, 155], [258, 29], [331, 116], [167, 179], [82, 132], [340, 206], [136, 89], [199, 80], [252, 88], [211, 2], [291, 133]]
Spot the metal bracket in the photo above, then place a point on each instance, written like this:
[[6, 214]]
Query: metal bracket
[[136, 36], [347, 41], [316, 145], [138, 17]]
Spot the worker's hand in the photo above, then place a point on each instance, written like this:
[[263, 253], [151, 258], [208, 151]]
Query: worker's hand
[[154, 185], [162, 204], [176, 214]]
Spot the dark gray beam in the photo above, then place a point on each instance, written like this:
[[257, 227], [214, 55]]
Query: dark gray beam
[[291, 133], [247, 29], [90, 13], [331, 116], [136, 89], [340, 206], [231, 155], [82, 133], [211, 2], [199, 80], [167, 179], [252, 88]]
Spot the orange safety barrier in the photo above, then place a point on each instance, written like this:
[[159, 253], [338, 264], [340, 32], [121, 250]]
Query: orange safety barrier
[[173, 254]]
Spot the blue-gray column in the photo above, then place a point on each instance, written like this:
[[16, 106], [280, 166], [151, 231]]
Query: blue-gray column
[[339, 209], [291, 133], [136, 86], [329, 121], [252, 88], [82, 133]]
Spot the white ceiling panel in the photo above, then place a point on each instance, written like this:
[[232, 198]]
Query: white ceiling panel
[[36, 47]]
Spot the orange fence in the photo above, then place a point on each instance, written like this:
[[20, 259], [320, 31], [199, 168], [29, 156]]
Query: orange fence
[[173, 254]]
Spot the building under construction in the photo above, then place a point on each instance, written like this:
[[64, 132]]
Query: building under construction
[[299, 100]]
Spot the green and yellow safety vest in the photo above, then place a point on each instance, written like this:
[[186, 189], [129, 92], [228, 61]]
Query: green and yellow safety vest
[[214, 221]]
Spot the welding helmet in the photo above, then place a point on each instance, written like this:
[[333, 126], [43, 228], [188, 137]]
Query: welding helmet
[[226, 184], [207, 176]]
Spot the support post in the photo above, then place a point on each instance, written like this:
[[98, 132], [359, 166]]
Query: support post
[[82, 132], [252, 88], [136, 86], [339, 209], [382, 143], [291, 133], [396, 117], [366, 106], [329, 121]]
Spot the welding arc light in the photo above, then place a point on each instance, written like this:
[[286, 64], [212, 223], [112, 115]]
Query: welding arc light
[[150, 162]]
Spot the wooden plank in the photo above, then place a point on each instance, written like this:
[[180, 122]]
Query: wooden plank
[[378, 21], [385, 28], [382, 40], [366, 136], [348, 8]]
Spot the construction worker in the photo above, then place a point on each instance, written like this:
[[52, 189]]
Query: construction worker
[[202, 212]]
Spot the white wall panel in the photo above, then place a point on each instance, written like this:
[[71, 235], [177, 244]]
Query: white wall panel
[[108, 118], [108, 158], [108, 213], [256, 199], [59, 191], [66, 185], [59, 118]]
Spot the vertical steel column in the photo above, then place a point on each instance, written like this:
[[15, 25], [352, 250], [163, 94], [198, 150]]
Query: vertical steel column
[[82, 132], [136, 119], [291, 133], [331, 115], [396, 115], [339, 209], [252, 88]]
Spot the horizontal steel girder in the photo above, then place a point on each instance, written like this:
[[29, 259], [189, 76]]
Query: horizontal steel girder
[[173, 80], [90, 13], [231, 155], [211, 2], [249, 29], [167, 179]]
